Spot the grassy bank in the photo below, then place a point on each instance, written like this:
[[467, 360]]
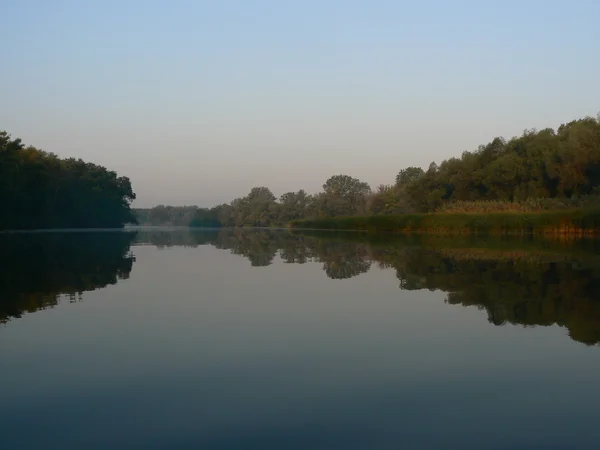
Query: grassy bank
[[568, 223]]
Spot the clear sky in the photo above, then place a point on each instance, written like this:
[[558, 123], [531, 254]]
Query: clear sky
[[198, 101]]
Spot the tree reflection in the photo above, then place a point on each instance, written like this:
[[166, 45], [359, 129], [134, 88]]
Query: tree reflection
[[37, 270], [526, 282], [165, 238], [259, 246], [340, 259], [521, 282], [527, 289]]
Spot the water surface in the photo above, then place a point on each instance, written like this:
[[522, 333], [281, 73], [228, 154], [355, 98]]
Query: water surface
[[226, 339]]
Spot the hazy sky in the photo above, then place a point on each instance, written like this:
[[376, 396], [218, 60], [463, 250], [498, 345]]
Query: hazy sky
[[198, 101]]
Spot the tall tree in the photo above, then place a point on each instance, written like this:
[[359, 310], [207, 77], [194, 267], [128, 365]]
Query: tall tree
[[407, 175], [346, 195]]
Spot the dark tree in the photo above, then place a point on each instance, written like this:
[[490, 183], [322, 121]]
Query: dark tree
[[40, 190]]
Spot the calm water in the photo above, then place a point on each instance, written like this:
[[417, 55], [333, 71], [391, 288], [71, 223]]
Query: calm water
[[267, 340]]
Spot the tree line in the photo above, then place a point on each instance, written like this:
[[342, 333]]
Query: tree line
[[40, 190], [562, 163], [539, 170], [342, 195]]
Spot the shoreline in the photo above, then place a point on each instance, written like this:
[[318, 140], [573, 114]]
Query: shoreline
[[576, 223]]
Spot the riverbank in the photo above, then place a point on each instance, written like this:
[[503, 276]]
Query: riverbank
[[567, 223]]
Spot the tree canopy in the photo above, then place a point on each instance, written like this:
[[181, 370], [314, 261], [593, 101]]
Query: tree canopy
[[539, 164], [40, 190]]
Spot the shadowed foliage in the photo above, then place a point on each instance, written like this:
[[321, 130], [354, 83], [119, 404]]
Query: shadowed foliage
[[39, 190]]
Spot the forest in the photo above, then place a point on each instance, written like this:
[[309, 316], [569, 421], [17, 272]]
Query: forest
[[545, 170], [40, 190]]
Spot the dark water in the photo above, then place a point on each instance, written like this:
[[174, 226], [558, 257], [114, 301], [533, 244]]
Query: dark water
[[268, 340]]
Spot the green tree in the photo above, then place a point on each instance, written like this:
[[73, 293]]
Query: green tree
[[345, 195], [293, 205], [206, 218], [407, 175], [40, 190]]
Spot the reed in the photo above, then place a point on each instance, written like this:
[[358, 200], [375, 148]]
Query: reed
[[558, 223], [528, 205]]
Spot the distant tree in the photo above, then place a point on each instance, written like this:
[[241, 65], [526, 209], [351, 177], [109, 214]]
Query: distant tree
[[345, 195], [407, 175], [345, 186], [261, 194], [293, 205], [388, 199], [259, 207], [205, 218]]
